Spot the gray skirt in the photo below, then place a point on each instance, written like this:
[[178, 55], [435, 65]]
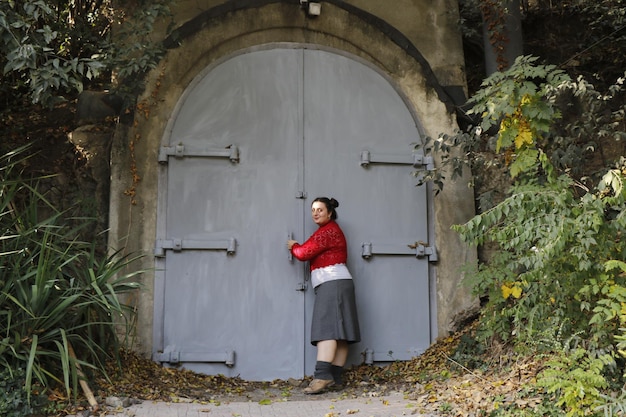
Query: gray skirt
[[334, 313]]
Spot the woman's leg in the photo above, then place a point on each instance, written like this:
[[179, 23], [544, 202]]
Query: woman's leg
[[341, 353], [336, 369], [327, 350], [334, 351]]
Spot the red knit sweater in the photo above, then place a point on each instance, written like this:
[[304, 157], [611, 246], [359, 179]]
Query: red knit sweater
[[327, 246]]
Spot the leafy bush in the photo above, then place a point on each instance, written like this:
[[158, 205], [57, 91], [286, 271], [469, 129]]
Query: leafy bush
[[468, 353], [14, 398], [551, 268], [58, 294], [613, 405], [49, 49], [556, 270], [578, 379]]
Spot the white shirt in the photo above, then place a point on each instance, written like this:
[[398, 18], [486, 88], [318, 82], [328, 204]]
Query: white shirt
[[329, 273]]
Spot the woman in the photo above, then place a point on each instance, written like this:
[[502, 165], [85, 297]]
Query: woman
[[335, 323]]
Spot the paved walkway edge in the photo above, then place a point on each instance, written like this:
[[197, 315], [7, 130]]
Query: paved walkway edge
[[387, 406]]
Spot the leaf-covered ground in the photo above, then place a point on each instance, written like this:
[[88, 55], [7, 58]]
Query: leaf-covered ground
[[436, 381]]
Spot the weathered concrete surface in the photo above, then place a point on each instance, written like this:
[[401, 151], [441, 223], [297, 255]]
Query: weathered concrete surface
[[414, 44], [388, 406], [430, 25]]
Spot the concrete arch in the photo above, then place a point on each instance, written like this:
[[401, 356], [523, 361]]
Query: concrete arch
[[237, 26], [353, 15]]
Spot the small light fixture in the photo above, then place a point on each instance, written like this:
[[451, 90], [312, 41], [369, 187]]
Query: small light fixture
[[315, 9], [312, 8]]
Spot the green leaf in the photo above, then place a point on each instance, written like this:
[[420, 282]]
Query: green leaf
[[525, 160]]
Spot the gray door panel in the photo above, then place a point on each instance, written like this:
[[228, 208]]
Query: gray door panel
[[245, 302], [348, 109]]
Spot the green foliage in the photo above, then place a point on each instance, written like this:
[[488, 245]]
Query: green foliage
[[613, 405], [14, 396], [38, 48], [577, 378], [591, 121], [550, 270], [544, 409], [566, 123], [519, 90], [520, 105], [557, 273], [554, 266], [57, 293], [605, 40], [49, 49], [468, 353], [135, 52]]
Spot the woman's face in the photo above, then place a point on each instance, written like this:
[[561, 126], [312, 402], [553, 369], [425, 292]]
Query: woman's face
[[320, 213]]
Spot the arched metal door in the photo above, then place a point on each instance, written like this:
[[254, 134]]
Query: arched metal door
[[254, 141]]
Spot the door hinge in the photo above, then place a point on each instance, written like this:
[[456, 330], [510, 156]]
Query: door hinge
[[177, 245], [181, 151], [415, 160], [424, 249], [175, 357], [418, 249], [370, 356]]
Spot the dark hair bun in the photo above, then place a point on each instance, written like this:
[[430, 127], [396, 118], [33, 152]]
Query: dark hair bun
[[334, 203]]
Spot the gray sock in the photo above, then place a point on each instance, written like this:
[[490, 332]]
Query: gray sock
[[337, 372], [323, 370]]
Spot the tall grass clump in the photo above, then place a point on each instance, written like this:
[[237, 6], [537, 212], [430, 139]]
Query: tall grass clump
[[60, 294]]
